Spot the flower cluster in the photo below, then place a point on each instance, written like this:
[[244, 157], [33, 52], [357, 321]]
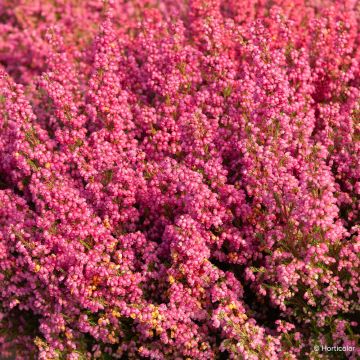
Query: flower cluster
[[179, 179]]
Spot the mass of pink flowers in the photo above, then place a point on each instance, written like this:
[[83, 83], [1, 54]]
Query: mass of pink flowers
[[179, 179]]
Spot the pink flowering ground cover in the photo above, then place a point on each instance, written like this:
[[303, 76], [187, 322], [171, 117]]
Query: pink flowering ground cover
[[179, 179]]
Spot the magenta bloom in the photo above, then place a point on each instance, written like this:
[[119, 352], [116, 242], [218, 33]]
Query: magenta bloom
[[179, 179]]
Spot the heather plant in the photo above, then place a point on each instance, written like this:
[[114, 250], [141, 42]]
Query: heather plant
[[179, 179]]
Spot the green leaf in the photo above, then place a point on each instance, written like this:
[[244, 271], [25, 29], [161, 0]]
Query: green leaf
[[227, 91]]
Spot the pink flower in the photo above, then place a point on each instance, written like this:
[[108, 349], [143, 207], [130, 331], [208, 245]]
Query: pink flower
[[178, 179]]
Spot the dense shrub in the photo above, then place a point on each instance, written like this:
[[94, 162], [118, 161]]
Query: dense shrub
[[179, 179]]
